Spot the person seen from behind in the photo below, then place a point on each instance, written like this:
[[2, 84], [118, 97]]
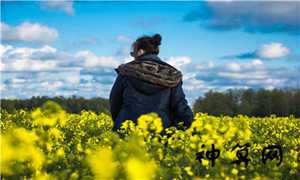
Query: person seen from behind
[[148, 84]]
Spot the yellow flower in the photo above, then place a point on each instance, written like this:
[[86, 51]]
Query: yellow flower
[[234, 171], [230, 155], [42, 176], [74, 175], [79, 147], [189, 171], [55, 133], [160, 154], [150, 123], [205, 162], [18, 146], [60, 152], [49, 115], [102, 164], [128, 126], [140, 170]]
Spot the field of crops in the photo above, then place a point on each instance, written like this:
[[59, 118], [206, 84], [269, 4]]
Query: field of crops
[[48, 143]]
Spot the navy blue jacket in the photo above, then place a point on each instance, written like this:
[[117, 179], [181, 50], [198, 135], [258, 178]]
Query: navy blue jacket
[[131, 97]]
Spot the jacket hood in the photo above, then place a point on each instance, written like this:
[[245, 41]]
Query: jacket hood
[[151, 69]]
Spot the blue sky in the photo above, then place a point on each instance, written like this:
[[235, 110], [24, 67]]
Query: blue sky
[[70, 48]]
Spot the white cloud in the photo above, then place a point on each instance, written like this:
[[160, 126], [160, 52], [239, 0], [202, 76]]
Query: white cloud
[[30, 65], [18, 80], [248, 75], [203, 66], [64, 5], [256, 63], [267, 51], [25, 59], [2, 88], [30, 53], [267, 82], [2, 66], [91, 60], [233, 66], [52, 85], [246, 70], [210, 64], [73, 79], [49, 58], [179, 61], [273, 51], [4, 49], [28, 32], [192, 84]]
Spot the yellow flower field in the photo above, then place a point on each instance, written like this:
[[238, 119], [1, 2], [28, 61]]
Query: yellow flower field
[[49, 143]]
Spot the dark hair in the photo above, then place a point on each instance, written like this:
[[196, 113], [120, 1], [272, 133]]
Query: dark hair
[[148, 43]]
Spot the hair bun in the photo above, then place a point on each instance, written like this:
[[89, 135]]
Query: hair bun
[[156, 39]]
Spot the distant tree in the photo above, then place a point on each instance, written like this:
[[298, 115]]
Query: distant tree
[[247, 102], [279, 102], [214, 103], [72, 104], [296, 104], [262, 103], [250, 102], [231, 102], [234, 100]]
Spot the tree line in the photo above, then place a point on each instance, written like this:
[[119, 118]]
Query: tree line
[[250, 102], [231, 102], [72, 104]]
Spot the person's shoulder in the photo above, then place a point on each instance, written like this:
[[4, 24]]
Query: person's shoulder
[[168, 65], [120, 66], [120, 76]]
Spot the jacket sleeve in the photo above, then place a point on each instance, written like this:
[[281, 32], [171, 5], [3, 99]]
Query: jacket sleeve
[[115, 97], [180, 107]]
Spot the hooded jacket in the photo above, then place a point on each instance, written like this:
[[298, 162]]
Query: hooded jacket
[[147, 84]]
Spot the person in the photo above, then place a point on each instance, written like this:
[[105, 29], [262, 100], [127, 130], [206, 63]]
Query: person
[[148, 84]]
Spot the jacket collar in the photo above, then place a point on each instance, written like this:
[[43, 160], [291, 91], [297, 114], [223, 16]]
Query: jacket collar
[[144, 57], [152, 70], [148, 56]]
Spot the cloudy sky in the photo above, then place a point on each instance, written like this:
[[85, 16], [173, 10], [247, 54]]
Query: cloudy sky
[[71, 48]]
